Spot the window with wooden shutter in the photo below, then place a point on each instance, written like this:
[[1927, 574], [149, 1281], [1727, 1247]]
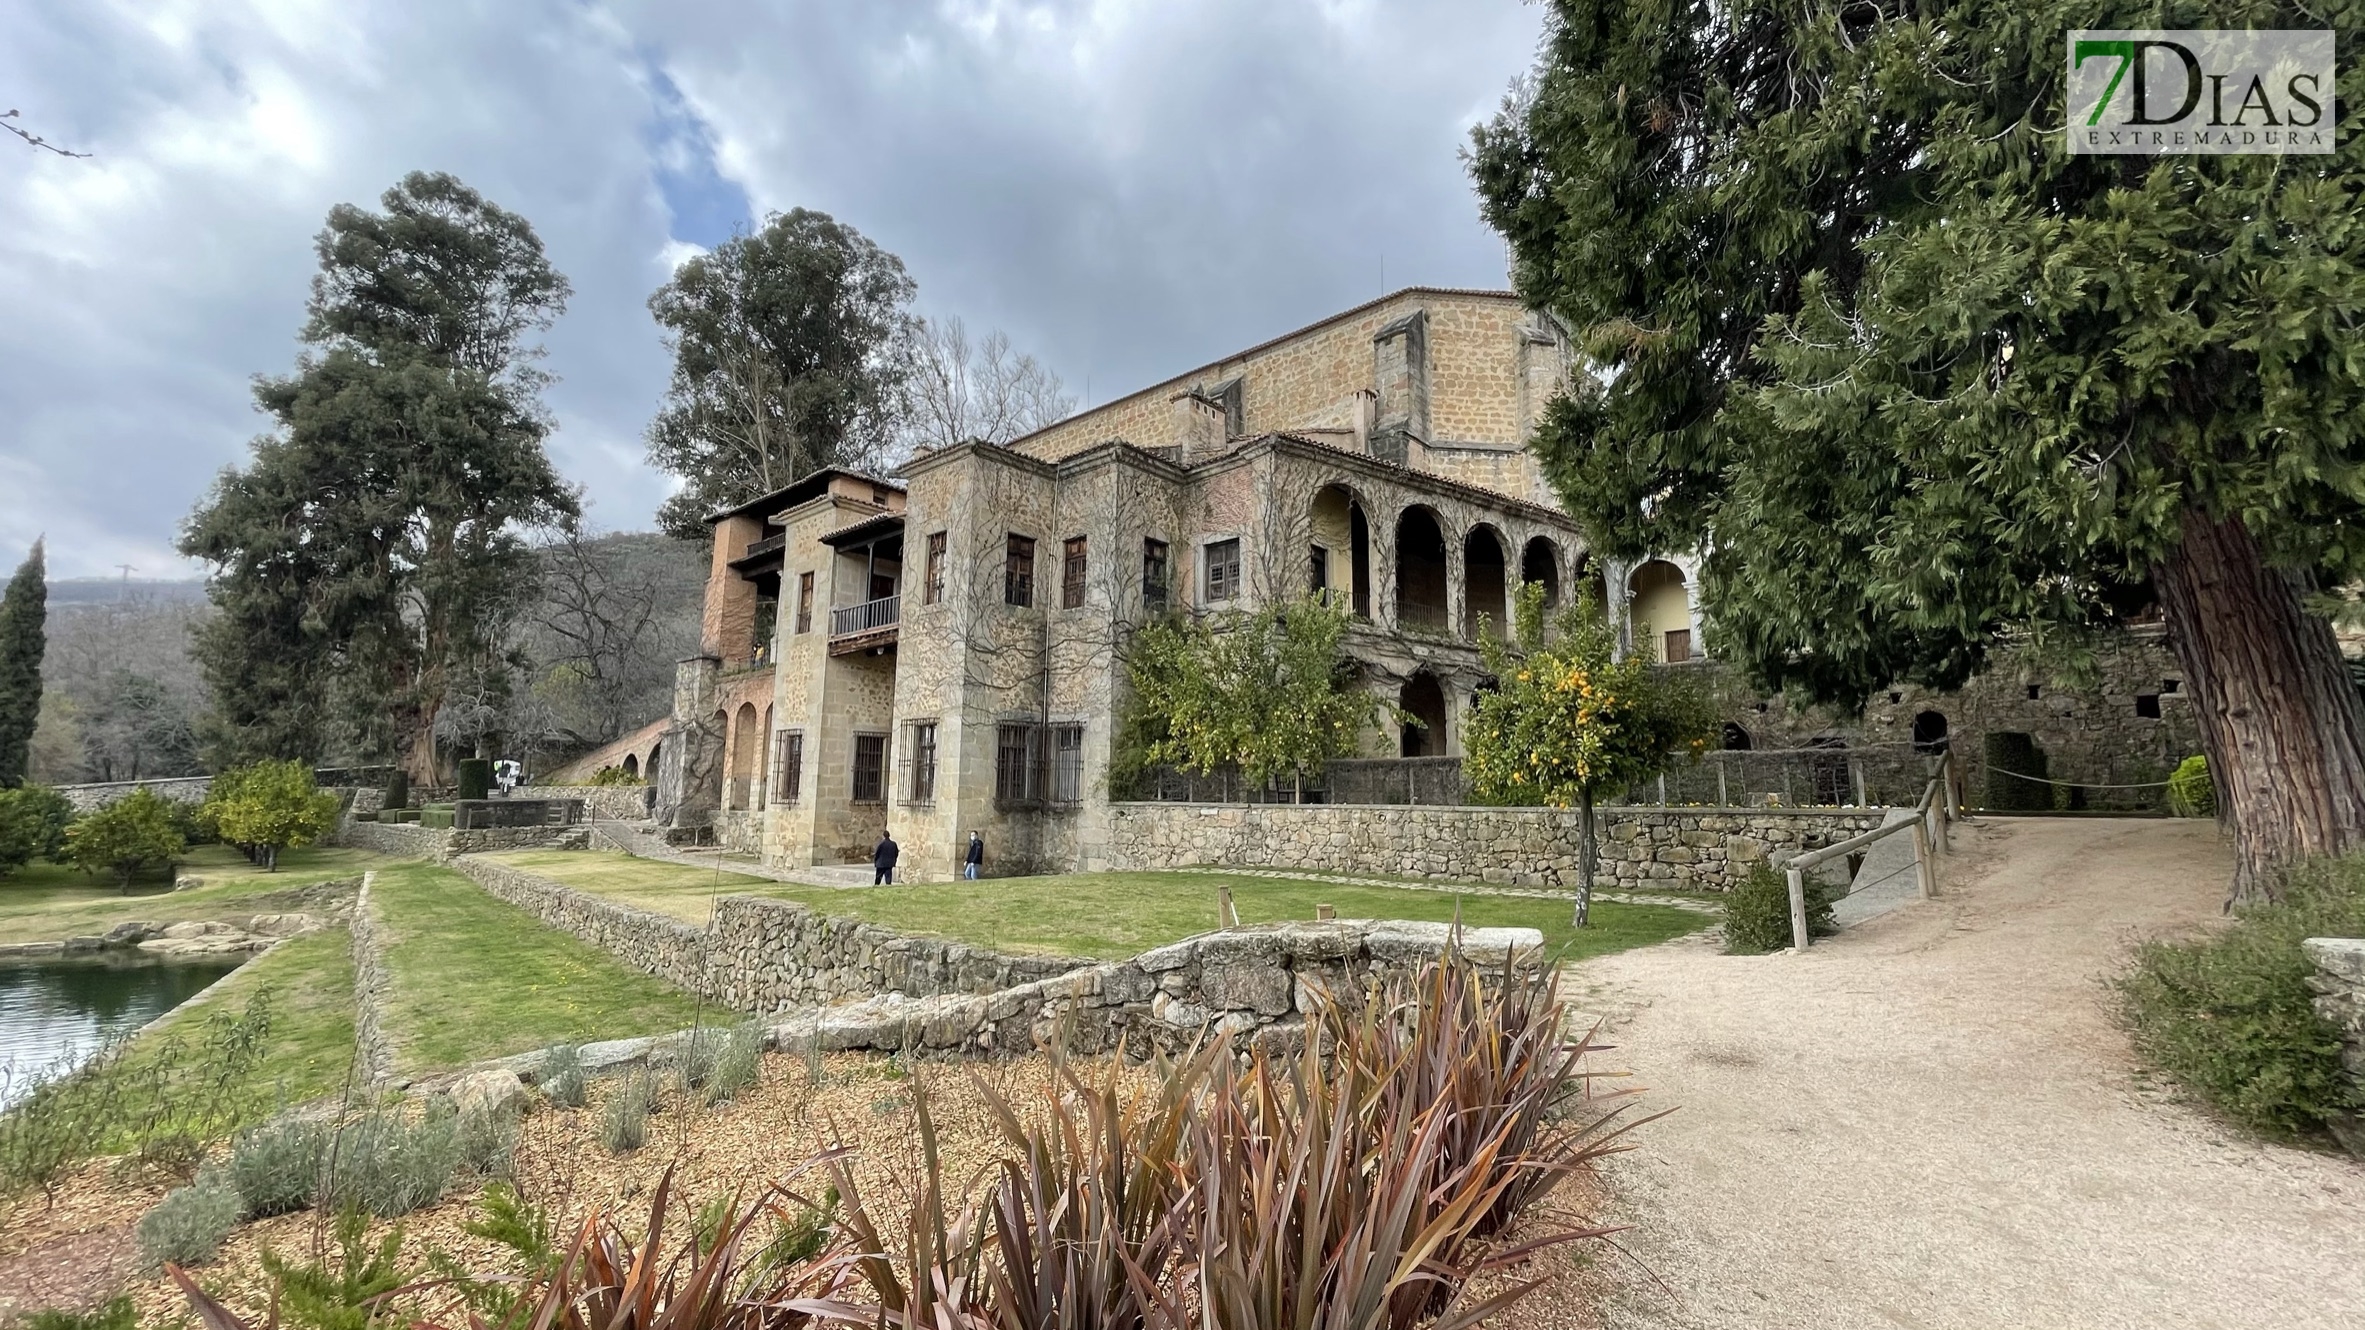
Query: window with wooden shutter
[[1018, 572], [1071, 576]]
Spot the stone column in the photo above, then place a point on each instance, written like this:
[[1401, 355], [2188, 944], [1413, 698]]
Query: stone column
[[690, 785]]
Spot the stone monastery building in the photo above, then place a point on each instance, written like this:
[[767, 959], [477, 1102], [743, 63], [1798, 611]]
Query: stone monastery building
[[938, 654]]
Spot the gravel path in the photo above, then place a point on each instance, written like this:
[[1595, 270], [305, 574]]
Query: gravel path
[[1931, 1121]]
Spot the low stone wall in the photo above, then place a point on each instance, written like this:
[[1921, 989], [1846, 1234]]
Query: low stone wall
[[409, 840], [1705, 848], [179, 789], [2339, 983], [608, 803], [763, 954]]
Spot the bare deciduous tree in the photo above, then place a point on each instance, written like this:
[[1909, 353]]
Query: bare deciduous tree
[[33, 140], [956, 392]]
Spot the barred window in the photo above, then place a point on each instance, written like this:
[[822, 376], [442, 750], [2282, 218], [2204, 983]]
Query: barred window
[[1223, 569], [1155, 577], [932, 590], [1014, 764], [788, 765], [1067, 764], [1018, 572], [870, 768], [1071, 577], [923, 761], [804, 602]]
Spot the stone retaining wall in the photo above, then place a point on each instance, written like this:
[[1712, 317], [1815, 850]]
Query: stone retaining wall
[[1705, 848], [764, 955], [611, 803], [409, 840], [2339, 983], [179, 789]]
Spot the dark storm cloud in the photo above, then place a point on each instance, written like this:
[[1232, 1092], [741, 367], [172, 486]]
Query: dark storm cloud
[[1127, 189]]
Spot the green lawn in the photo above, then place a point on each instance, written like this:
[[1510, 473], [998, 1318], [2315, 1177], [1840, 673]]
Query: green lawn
[[1107, 916], [473, 978], [310, 1044], [46, 902]]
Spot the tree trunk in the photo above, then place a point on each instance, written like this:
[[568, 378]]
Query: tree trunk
[[2279, 718], [1585, 859]]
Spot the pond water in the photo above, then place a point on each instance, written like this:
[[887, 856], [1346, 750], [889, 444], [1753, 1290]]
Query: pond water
[[56, 1012]]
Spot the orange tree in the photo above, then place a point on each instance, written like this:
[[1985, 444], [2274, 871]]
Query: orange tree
[[1568, 720]]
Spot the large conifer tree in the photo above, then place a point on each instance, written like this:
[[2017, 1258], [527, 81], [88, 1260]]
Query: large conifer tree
[[24, 613], [1918, 377], [371, 548]]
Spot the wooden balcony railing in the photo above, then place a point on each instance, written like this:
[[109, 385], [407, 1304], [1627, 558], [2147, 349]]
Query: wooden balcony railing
[[866, 617]]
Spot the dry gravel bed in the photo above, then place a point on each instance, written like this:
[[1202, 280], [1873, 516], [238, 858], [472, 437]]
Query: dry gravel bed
[[1932, 1120]]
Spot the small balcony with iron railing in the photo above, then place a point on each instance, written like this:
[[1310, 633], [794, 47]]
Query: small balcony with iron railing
[[865, 627]]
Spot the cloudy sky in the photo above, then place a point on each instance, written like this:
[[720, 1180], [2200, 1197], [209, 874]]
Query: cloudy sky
[[1127, 189]]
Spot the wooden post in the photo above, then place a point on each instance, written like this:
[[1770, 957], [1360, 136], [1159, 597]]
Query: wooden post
[[1662, 789], [1225, 915], [1723, 800], [1856, 778], [1923, 868], [1798, 905], [1326, 912]]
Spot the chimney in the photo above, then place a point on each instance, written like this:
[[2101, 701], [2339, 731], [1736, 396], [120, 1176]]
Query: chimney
[[1198, 425]]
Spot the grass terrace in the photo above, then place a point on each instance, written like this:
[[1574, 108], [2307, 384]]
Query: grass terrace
[[1103, 916], [474, 978], [309, 1048], [45, 902]]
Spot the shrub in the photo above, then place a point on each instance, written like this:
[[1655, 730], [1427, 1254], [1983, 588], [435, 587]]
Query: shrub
[[348, 1293], [2229, 1015], [390, 1163], [188, 1225], [116, 1313], [276, 1167], [33, 821], [614, 776], [398, 789], [2011, 755], [130, 834], [1757, 912], [487, 1140], [476, 777], [561, 1076], [624, 1119], [738, 1063], [2191, 793]]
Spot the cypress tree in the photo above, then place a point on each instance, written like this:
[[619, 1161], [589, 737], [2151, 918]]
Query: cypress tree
[[24, 610]]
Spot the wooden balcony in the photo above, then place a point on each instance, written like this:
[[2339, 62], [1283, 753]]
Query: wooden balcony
[[865, 627]]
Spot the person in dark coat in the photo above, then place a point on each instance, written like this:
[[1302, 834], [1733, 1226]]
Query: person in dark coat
[[882, 860], [976, 857]]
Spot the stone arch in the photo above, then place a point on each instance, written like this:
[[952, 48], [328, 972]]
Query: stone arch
[[1423, 699], [1929, 732], [632, 765], [1660, 609], [1539, 562], [649, 769], [1485, 578], [1735, 739], [744, 741], [1592, 587], [1340, 559], [1420, 569]]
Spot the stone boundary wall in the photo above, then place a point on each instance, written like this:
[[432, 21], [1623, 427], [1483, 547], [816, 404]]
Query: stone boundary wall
[[179, 789], [2339, 984], [764, 955], [1702, 848], [409, 840], [370, 984], [611, 803]]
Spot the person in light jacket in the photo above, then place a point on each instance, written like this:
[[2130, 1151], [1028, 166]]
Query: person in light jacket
[[882, 860], [976, 857]]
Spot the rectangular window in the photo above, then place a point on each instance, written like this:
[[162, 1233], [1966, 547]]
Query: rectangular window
[[1679, 645], [1223, 570], [804, 602], [1154, 575], [1071, 575], [1320, 570], [870, 768], [788, 766], [1067, 764], [1014, 764], [932, 591], [923, 761], [2147, 706], [1018, 572]]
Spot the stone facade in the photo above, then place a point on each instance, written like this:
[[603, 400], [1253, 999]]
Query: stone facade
[[879, 989], [605, 803], [1702, 848], [179, 789]]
